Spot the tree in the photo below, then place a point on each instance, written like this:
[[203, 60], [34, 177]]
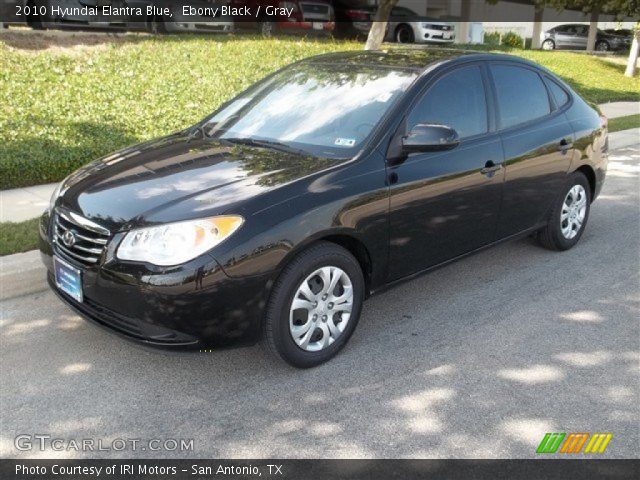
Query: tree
[[379, 25], [633, 54]]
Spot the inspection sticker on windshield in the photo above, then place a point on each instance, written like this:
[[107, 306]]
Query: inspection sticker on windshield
[[345, 142]]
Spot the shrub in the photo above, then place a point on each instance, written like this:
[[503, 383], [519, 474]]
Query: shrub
[[512, 39]]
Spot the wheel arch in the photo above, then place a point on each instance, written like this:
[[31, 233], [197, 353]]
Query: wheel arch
[[590, 173], [345, 238]]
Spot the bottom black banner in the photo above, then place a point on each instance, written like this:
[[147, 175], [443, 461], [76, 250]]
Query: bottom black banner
[[318, 469]]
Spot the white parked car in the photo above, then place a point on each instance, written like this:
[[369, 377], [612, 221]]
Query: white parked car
[[406, 26]]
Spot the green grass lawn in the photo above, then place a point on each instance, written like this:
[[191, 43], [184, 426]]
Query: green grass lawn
[[68, 100], [18, 237], [624, 123]]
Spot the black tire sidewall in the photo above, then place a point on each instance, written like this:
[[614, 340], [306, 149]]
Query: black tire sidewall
[[408, 31], [576, 178], [288, 284]]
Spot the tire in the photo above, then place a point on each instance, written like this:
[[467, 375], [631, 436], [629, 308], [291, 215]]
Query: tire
[[330, 329], [603, 46], [561, 231], [548, 45], [404, 34]]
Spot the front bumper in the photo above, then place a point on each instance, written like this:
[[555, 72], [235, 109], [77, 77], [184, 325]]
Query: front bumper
[[192, 306], [428, 35]]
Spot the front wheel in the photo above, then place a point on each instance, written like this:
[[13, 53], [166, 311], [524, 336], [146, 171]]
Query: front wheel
[[603, 46], [548, 45], [404, 34], [315, 306], [569, 216]]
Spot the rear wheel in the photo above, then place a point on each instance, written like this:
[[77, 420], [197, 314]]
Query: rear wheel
[[569, 216], [315, 306]]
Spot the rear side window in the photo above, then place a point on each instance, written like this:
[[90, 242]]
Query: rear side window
[[559, 94], [522, 96], [456, 100]]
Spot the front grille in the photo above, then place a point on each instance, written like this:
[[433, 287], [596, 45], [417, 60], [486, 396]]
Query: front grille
[[445, 28], [78, 238]]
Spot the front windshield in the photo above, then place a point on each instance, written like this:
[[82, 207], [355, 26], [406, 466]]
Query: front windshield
[[323, 109]]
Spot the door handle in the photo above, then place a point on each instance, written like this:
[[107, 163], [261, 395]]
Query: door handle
[[565, 145], [490, 167]]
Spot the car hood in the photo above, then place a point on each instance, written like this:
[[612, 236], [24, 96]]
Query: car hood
[[179, 177]]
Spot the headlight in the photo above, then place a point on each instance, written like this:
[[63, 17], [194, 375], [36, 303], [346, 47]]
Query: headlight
[[175, 243]]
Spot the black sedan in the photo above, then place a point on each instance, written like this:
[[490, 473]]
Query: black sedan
[[326, 182]]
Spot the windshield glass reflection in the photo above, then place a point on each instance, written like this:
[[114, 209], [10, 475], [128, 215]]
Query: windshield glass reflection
[[321, 108]]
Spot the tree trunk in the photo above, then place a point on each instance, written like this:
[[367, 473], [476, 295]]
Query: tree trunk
[[537, 28], [379, 25], [633, 54], [462, 35], [593, 31]]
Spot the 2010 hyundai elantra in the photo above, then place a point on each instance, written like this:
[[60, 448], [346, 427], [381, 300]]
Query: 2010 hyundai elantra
[[331, 179]]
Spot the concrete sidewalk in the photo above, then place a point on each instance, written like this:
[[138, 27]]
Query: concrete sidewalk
[[620, 109], [19, 204]]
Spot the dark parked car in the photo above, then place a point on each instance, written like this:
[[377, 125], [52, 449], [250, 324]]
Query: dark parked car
[[574, 36], [328, 181]]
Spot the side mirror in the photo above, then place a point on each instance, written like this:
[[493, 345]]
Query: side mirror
[[430, 138]]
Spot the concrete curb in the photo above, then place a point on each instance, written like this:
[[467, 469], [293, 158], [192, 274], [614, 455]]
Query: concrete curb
[[21, 274]]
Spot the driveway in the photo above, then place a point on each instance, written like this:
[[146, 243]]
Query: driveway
[[478, 360]]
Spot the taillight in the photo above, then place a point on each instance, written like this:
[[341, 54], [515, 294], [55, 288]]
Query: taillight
[[357, 14]]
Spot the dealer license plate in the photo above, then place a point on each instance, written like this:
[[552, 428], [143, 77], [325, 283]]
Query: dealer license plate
[[68, 278], [446, 35], [318, 25]]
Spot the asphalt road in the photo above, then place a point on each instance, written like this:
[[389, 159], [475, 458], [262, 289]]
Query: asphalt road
[[478, 359]]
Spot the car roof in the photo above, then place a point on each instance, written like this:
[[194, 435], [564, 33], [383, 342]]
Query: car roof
[[417, 59]]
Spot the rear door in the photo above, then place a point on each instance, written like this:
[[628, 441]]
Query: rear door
[[538, 146]]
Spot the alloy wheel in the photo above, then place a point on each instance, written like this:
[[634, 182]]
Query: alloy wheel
[[321, 308], [547, 45], [574, 210]]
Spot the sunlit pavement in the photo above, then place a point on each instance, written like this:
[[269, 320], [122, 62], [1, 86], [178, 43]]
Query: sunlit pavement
[[478, 359]]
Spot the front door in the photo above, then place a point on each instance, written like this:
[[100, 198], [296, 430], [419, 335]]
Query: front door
[[446, 203]]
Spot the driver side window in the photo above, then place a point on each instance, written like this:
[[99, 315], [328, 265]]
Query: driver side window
[[456, 100]]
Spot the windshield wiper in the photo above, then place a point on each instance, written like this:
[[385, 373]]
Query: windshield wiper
[[283, 147]]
